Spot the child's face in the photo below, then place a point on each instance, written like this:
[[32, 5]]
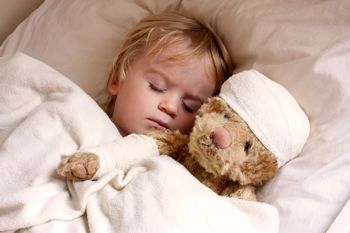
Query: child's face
[[158, 93]]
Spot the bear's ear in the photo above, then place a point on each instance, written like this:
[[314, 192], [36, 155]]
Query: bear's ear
[[214, 104]]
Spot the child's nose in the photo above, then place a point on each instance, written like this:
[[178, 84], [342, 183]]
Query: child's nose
[[169, 107]]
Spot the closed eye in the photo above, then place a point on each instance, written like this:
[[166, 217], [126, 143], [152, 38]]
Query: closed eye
[[191, 105], [188, 108], [157, 88]]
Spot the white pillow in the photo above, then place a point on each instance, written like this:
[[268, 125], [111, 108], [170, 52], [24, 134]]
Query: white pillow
[[302, 45]]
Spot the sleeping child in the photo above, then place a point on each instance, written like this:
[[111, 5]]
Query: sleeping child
[[168, 66]]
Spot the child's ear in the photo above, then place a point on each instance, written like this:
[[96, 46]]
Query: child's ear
[[113, 86]]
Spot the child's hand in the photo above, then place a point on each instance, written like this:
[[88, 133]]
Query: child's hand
[[79, 166]]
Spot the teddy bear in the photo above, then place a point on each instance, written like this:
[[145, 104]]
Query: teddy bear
[[238, 142], [221, 151]]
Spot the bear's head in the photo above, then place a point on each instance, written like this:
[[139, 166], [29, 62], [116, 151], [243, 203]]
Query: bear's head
[[250, 130], [223, 144]]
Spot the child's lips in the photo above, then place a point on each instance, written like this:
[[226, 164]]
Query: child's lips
[[159, 124]]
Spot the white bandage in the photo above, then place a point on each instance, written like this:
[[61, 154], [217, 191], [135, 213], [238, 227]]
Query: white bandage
[[271, 112]]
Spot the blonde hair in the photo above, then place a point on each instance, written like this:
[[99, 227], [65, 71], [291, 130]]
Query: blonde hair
[[153, 33]]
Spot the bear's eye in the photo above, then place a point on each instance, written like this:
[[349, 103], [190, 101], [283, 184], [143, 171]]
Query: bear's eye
[[226, 115], [247, 147]]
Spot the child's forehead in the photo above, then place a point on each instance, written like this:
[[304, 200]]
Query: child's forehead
[[181, 53], [167, 50]]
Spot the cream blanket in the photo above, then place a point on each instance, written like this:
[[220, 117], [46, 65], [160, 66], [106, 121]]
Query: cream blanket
[[43, 115]]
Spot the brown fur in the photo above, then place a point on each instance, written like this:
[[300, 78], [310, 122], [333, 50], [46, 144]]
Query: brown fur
[[79, 166], [233, 171]]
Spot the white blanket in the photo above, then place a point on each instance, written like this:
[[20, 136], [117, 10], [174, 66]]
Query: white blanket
[[43, 116]]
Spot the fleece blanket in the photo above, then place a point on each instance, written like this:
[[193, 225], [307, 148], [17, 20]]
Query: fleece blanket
[[44, 116]]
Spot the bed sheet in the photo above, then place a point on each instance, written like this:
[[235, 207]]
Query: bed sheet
[[303, 45]]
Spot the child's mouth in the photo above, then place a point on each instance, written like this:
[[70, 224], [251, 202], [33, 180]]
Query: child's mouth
[[158, 124]]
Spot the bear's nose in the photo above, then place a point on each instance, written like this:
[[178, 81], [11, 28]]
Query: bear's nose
[[221, 137]]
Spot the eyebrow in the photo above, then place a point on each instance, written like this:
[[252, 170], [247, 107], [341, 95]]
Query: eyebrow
[[168, 79]]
